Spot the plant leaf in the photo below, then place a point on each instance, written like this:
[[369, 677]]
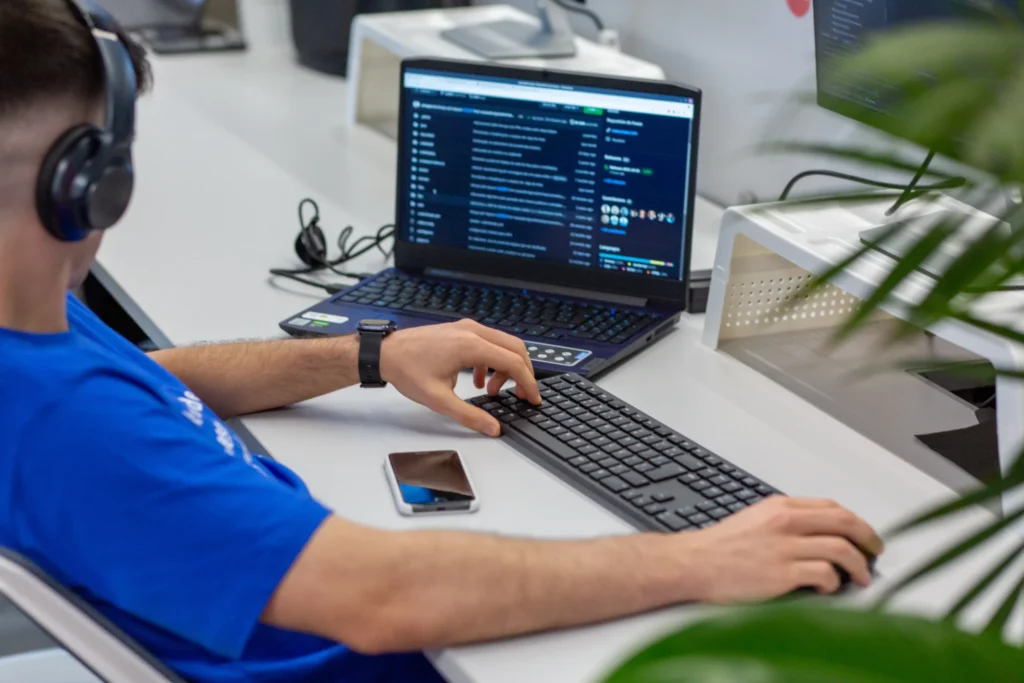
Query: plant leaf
[[997, 624], [977, 589], [920, 252], [805, 644], [971, 542]]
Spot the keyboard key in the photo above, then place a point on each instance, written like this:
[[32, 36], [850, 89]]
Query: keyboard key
[[663, 431], [718, 513], [700, 485], [620, 421], [614, 484], [725, 500], [713, 460], [688, 478], [735, 507], [630, 495], [607, 462], [701, 452], [587, 450], [576, 444], [631, 428], [663, 447], [663, 497], [749, 481], [689, 462], [598, 475], [654, 509], [618, 435], [557, 431], [698, 518], [642, 501], [602, 441], [620, 454], [633, 460], [643, 434], [686, 511], [730, 487], [673, 521], [712, 492], [572, 423], [707, 473], [705, 505], [540, 419], [627, 441], [644, 467], [648, 454], [576, 410], [719, 479], [590, 435], [595, 423], [665, 472], [579, 461], [746, 494], [674, 452], [620, 470], [638, 447], [611, 447], [659, 460], [764, 490], [726, 468], [607, 428], [568, 436], [635, 478], [589, 467]]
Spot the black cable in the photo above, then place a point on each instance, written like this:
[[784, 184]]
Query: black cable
[[908, 191], [948, 184], [360, 247], [576, 9]]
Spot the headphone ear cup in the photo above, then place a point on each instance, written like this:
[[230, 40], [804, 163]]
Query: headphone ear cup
[[311, 246], [58, 211]]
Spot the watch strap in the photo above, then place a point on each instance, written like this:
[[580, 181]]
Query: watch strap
[[369, 359]]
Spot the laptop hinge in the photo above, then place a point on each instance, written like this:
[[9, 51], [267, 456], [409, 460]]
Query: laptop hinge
[[604, 297]]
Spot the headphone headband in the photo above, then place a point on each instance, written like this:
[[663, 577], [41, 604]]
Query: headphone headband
[[120, 80]]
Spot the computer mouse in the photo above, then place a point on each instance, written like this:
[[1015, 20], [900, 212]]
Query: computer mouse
[[845, 580]]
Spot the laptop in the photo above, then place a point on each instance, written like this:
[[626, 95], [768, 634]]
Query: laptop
[[557, 207]]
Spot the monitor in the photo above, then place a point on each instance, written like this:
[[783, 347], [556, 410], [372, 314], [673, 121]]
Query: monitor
[[841, 27], [561, 177]]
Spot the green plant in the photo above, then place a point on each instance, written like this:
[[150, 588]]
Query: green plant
[[969, 108]]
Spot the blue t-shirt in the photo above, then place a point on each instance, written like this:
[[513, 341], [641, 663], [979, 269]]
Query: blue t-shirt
[[118, 481]]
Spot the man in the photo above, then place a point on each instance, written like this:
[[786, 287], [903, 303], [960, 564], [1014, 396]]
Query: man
[[121, 479]]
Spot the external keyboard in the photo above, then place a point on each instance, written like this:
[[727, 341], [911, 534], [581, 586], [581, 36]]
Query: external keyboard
[[647, 473], [517, 311]]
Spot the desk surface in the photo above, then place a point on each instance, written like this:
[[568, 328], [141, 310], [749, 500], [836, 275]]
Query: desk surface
[[222, 165]]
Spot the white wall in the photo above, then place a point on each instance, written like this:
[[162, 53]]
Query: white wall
[[750, 57]]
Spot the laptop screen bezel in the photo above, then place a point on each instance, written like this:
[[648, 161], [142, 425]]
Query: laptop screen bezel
[[420, 257]]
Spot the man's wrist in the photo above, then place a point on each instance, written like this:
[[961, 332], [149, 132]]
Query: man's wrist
[[676, 563]]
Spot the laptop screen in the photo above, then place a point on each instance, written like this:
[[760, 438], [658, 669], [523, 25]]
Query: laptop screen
[[547, 172]]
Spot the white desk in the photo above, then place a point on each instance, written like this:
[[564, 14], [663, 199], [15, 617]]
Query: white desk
[[222, 165]]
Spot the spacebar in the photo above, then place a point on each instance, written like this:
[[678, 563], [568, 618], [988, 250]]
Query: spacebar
[[431, 311], [527, 428]]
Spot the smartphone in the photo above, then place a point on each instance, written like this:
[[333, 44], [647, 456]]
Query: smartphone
[[430, 482]]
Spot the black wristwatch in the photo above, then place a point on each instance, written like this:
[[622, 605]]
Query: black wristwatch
[[371, 335]]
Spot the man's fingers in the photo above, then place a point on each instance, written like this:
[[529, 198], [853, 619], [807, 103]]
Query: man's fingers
[[447, 403], [496, 382], [838, 551], [516, 346], [819, 575], [479, 377], [502, 360], [837, 521]]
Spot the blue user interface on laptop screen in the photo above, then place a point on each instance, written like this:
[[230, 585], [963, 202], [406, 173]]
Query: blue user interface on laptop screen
[[547, 172]]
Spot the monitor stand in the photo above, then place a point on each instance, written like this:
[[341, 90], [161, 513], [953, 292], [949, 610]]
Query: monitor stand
[[511, 39], [913, 221]]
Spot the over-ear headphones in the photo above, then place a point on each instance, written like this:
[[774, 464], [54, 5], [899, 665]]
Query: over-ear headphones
[[86, 180]]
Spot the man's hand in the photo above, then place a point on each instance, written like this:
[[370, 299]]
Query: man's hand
[[424, 363], [776, 547]]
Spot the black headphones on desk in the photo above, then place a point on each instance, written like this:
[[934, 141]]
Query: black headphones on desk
[[86, 180]]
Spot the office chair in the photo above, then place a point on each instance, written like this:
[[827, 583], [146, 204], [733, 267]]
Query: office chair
[[87, 636]]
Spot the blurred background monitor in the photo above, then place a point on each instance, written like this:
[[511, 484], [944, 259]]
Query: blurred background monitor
[[181, 26], [841, 27]]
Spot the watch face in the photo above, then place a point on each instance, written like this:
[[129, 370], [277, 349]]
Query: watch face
[[376, 325]]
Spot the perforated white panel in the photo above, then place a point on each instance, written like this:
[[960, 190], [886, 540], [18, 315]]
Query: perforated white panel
[[763, 296]]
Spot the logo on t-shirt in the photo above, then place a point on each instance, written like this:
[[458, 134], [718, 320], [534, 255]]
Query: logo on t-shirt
[[196, 412]]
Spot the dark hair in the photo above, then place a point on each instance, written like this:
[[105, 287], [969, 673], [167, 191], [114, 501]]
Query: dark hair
[[46, 52]]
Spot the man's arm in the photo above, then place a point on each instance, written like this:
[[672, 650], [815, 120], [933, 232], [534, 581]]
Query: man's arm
[[422, 363], [382, 591]]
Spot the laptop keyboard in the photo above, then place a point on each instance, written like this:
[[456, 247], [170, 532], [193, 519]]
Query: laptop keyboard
[[645, 472], [516, 311]]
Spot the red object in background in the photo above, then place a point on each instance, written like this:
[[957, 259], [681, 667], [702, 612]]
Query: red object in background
[[799, 7]]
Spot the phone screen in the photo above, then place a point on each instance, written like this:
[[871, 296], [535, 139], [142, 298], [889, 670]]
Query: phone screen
[[432, 479]]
